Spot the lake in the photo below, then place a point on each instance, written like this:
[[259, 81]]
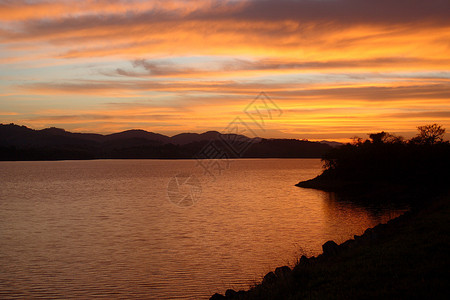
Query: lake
[[162, 229]]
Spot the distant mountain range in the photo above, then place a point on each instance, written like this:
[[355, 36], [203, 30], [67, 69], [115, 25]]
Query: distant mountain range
[[22, 143]]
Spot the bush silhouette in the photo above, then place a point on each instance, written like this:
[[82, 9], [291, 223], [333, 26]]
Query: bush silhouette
[[389, 159]]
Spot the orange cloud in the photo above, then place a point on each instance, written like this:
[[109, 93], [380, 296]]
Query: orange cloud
[[335, 67], [297, 29]]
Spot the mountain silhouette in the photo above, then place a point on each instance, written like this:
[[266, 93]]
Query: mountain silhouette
[[138, 134], [22, 143]]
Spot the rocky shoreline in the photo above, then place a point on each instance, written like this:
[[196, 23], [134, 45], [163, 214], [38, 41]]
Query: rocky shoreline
[[375, 249]]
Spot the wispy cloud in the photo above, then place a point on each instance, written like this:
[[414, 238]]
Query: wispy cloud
[[244, 67], [227, 27], [283, 91]]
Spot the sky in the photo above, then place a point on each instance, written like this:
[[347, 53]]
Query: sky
[[329, 69]]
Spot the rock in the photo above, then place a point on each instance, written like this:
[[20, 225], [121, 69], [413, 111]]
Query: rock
[[269, 278], [370, 234], [303, 261], [348, 244], [283, 272], [230, 293], [330, 248], [217, 296], [368, 231], [380, 227]]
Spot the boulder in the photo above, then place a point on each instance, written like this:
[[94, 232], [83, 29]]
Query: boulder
[[241, 293], [230, 293], [269, 278], [303, 261], [217, 296], [330, 248], [370, 234], [283, 272]]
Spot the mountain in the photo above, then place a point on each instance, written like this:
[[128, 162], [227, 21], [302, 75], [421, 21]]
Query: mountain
[[22, 143], [138, 134], [186, 138], [287, 148], [14, 135], [331, 143]]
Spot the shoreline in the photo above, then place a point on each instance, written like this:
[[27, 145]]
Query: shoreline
[[408, 249], [188, 159]]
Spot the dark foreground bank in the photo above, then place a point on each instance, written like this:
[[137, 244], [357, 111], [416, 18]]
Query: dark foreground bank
[[407, 258]]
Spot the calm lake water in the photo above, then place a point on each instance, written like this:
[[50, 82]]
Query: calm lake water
[[107, 228]]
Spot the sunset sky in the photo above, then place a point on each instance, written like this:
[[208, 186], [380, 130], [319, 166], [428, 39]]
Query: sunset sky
[[336, 68]]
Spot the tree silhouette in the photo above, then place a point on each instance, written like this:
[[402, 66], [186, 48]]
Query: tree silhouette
[[378, 137], [387, 159], [429, 134], [385, 137]]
